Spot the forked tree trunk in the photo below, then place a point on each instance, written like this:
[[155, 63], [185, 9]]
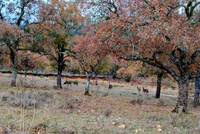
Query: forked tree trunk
[[59, 75], [159, 80], [14, 68], [197, 91], [88, 84], [183, 85]]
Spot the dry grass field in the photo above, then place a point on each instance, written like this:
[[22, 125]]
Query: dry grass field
[[35, 106]]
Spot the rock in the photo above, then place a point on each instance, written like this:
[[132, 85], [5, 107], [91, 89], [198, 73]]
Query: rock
[[1, 129], [113, 123], [136, 131], [121, 126], [159, 130], [158, 126]]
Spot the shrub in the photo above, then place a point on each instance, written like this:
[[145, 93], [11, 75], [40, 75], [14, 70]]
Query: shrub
[[108, 111], [127, 79], [114, 75]]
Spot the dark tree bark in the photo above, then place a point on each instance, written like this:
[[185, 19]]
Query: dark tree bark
[[183, 85], [14, 68], [60, 60], [59, 75], [159, 80], [60, 65], [197, 91]]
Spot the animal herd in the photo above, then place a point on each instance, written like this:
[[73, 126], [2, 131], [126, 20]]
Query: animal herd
[[144, 90], [109, 86], [70, 83]]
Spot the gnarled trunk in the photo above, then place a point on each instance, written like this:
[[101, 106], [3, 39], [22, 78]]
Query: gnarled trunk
[[159, 80], [197, 91], [183, 85], [88, 84]]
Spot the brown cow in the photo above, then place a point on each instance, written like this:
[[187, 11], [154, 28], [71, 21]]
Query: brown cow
[[75, 83], [67, 82], [145, 90]]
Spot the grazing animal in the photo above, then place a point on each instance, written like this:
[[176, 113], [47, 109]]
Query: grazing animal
[[145, 90], [110, 86], [75, 83], [67, 82], [138, 88]]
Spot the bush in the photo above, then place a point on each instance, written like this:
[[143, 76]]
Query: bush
[[108, 111], [127, 79], [114, 75]]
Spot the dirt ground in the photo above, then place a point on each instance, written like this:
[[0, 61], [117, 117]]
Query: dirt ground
[[36, 106]]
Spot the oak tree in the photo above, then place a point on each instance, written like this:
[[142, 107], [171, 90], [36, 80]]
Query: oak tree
[[13, 16], [164, 34], [90, 50], [59, 21]]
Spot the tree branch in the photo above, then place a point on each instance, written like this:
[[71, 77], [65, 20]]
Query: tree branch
[[153, 63], [192, 58]]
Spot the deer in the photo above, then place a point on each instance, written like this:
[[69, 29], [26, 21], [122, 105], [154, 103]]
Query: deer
[[145, 90], [75, 83], [139, 89], [67, 82], [110, 86]]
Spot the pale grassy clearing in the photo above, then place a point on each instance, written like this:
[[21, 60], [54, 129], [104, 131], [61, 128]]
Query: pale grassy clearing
[[69, 111]]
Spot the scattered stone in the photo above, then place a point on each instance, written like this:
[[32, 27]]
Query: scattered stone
[[1, 129], [158, 126], [121, 126], [136, 131], [159, 130]]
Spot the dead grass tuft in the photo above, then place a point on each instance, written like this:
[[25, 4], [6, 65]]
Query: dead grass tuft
[[161, 103], [137, 101], [28, 99], [108, 111]]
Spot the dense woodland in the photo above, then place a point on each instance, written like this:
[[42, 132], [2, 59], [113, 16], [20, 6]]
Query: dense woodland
[[96, 36]]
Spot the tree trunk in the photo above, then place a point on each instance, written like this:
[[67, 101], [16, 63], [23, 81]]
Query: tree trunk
[[159, 80], [96, 80], [88, 84], [182, 102], [14, 68], [59, 75], [197, 91], [14, 77], [60, 65]]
